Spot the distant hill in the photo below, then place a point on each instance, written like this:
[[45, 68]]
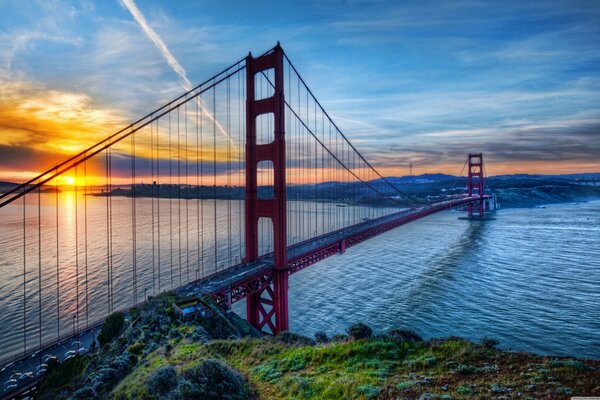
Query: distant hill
[[588, 175], [4, 184], [423, 178]]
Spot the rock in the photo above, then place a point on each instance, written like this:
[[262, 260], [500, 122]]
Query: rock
[[444, 388], [424, 381], [425, 396], [497, 389]]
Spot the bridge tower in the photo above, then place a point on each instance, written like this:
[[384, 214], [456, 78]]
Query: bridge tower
[[475, 182], [267, 310]]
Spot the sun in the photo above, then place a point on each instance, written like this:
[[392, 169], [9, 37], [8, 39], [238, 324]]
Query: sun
[[68, 180]]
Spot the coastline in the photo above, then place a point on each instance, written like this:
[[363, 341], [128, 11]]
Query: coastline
[[359, 364]]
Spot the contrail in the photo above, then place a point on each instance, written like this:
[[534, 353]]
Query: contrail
[[171, 60]]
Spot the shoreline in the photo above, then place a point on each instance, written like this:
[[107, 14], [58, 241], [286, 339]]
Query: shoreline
[[357, 364]]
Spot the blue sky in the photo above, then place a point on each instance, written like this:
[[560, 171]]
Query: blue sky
[[420, 82]]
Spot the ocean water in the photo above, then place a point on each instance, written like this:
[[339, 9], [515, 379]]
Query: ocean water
[[529, 278], [191, 239]]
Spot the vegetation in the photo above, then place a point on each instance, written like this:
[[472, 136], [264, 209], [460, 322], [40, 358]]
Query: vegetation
[[111, 328], [359, 331], [157, 356]]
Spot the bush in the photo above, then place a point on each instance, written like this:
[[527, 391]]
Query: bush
[[359, 331], [136, 348], [215, 380], [489, 343], [65, 372], [321, 337], [85, 393], [111, 328], [404, 335], [466, 369], [53, 363], [294, 338], [339, 338], [369, 391], [571, 364], [162, 381]]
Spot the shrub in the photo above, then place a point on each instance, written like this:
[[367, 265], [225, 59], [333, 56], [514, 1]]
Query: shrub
[[294, 339], [369, 391], [321, 337], [404, 335], [405, 385], [466, 369], [53, 364], [136, 348], [489, 343], [215, 380], [359, 331], [150, 348], [162, 381], [571, 364], [268, 372], [111, 327], [65, 372], [85, 393], [464, 390], [339, 338]]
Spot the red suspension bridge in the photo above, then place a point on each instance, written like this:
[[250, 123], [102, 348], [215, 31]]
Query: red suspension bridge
[[227, 189]]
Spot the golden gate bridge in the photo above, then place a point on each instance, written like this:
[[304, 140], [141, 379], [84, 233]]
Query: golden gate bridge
[[226, 190]]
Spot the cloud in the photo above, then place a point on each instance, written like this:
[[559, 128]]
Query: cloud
[[158, 42], [172, 61], [40, 126]]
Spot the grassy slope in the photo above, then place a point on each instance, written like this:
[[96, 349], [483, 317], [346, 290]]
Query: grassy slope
[[292, 367], [380, 368]]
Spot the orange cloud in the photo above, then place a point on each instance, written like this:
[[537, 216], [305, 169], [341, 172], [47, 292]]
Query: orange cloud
[[51, 120], [39, 127]]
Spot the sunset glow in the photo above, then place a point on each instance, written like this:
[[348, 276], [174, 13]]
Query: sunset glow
[[81, 73]]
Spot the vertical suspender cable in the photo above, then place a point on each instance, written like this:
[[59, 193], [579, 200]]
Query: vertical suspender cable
[[198, 188], [153, 195], [170, 203], [85, 224], [201, 192], [24, 281], [40, 269], [179, 194], [229, 264], [187, 197], [158, 204], [107, 238], [57, 266], [214, 101], [76, 320]]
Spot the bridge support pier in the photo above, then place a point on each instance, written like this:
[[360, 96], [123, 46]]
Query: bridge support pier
[[268, 308]]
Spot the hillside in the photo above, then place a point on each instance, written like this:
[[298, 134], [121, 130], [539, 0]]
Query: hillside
[[156, 356]]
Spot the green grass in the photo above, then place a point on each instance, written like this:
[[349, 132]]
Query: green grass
[[292, 367], [369, 369]]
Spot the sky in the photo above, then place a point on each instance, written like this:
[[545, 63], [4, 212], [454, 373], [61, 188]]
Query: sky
[[419, 82]]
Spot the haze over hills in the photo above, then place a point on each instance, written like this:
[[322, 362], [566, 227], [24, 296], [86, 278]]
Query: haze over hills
[[438, 177], [517, 190]]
